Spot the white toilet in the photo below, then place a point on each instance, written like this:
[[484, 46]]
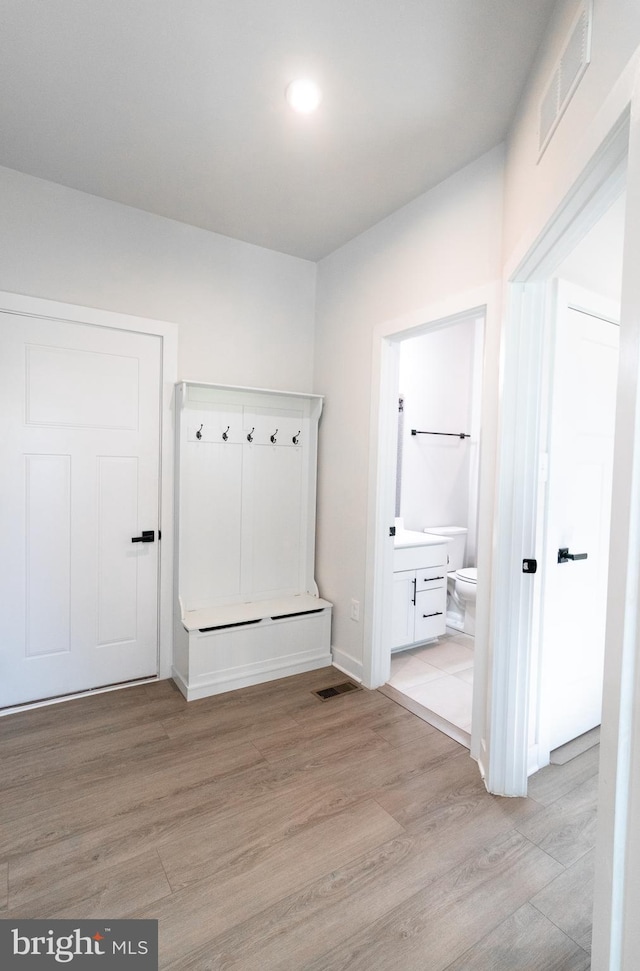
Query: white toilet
[[465, 588], [461, 582]]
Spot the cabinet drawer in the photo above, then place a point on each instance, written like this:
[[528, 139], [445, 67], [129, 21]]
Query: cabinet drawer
[[431, 578], [416, 557], [431, 616]]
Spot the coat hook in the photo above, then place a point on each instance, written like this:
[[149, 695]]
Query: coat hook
[[225, 435], [199, 432], [296, 437], [273, 437], [250, 435]]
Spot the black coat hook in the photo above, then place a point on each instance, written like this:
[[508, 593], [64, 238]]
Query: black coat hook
[[225, 435], [296, 437], [199, 432], [273, 437], [250, 435]]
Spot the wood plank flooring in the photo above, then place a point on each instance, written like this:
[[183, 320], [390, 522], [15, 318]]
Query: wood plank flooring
[[268, 830]]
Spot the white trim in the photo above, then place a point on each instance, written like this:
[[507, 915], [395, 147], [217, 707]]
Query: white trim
[[347, 664], [617, 880], [185, 382], [168, 332], [514, 538]]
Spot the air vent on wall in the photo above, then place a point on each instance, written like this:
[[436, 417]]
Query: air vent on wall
[[566, 76]]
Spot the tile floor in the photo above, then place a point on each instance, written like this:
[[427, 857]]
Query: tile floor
[[438, 676]]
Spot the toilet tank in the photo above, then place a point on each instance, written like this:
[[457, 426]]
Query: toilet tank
[[457, 536]]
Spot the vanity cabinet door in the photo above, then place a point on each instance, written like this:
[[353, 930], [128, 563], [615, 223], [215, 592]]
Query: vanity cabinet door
[[430, 613], [403, 608]]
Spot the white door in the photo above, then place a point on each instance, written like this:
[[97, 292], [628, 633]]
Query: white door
[[582, 426], [79, 452]]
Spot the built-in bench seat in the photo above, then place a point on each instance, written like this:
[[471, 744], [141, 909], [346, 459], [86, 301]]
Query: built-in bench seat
[[233, 615], [235, 645]]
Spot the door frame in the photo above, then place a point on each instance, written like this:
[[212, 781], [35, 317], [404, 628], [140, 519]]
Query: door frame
[[483, 302], [612, 142], [517, 603], [26, 306]]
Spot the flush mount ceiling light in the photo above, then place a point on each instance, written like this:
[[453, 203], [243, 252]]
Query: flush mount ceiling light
[[303, 95]]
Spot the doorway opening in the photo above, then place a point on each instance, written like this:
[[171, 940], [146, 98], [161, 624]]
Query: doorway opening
[[431, 594], [517, 685]]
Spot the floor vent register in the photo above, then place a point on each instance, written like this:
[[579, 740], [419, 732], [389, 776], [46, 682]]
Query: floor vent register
[[336, 689]]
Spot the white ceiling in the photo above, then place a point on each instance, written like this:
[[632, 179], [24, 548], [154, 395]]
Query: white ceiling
[[177, 106]]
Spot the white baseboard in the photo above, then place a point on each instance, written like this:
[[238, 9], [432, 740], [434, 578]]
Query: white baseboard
[[180, 682], [349, 665], [482, 759]]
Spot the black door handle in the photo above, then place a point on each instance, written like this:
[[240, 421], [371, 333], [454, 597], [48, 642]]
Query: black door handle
[[564, 555], [148, 536]]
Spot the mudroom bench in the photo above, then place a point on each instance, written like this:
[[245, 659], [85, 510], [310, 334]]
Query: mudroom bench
[[247, 607], [236, 645]]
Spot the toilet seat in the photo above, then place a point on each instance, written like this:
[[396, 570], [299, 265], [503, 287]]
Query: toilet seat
[[468, 574]]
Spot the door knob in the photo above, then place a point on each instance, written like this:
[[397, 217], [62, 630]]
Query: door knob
[[148, 536], [564, 555]]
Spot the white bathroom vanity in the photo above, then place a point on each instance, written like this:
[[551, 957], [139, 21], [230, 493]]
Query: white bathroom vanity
[[420, 566]]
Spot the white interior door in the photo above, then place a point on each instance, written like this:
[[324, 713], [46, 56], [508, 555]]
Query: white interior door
[[584, 384], [80, 458]]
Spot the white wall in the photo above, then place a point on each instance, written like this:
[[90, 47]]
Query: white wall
[[437, 381], [245, 314], [444, 243], [533, 187]]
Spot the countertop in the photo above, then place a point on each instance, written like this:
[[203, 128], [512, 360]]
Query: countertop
[[411, 537]]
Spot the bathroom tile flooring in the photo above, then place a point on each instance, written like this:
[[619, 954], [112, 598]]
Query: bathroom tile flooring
[[437, 677]]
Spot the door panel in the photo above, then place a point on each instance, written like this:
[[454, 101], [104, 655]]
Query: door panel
[[80, 388], [403, 611], [80, 453], [48, 554], [117, 487], [578, 518]]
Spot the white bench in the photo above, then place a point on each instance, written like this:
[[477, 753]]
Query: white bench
[[235, 645]]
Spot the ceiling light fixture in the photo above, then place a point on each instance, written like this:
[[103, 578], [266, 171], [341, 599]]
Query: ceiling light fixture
[[303, 95]]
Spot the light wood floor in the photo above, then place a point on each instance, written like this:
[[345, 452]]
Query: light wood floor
[[267, 830]]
